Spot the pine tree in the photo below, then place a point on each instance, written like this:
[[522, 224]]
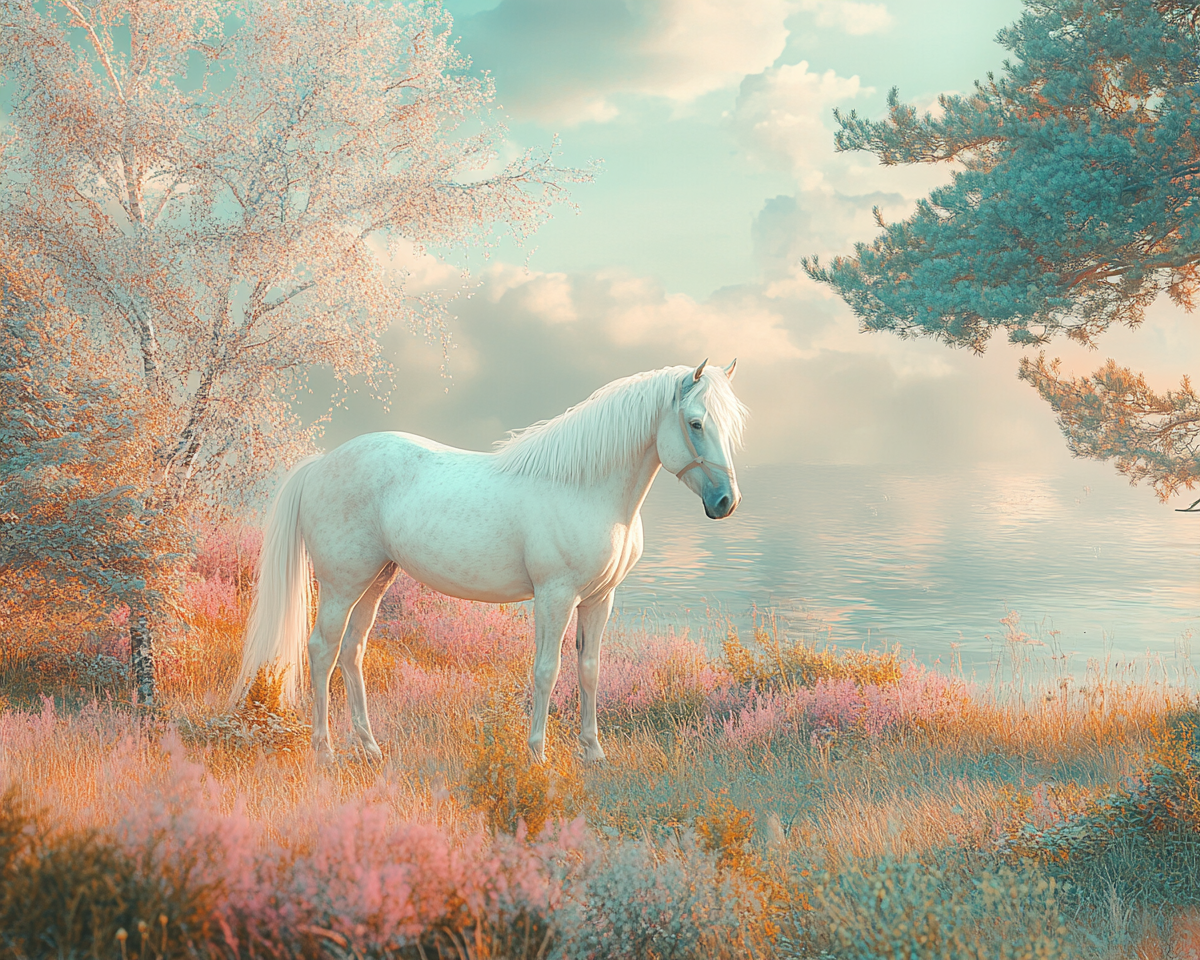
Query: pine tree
[[1075, 207]]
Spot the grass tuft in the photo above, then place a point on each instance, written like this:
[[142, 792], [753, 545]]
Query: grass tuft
[[503, 783], [778, 664]]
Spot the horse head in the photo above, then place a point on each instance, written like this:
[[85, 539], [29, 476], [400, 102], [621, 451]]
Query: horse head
[[697, 437]]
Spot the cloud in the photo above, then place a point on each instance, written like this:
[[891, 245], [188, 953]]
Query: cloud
[[565, 60], [635, 314], [782, 117], [855, 19], [529, 344]]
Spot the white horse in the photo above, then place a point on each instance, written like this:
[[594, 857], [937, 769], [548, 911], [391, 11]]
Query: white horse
[[552, 514]]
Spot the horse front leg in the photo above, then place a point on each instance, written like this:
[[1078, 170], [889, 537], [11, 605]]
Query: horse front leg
[[589, 636], [551, 613]]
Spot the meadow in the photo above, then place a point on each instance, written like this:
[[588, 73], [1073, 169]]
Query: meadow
[[779, 800]]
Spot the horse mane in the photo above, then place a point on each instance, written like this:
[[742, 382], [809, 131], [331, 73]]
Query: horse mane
[[609, 428]]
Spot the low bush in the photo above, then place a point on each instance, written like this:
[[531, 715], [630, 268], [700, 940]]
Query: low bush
[[777, 802], [504, 783], [1139, 844], [774, 664], [66, 893], [901, 909]]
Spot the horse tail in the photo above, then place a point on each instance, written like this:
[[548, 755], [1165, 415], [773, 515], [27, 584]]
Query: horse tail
[[277, 631]]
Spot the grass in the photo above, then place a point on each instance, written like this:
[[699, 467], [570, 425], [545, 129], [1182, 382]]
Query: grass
[[781, 800]]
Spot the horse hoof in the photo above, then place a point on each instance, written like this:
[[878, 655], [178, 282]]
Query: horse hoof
[[374, 754], [594, 755], [324, 754]]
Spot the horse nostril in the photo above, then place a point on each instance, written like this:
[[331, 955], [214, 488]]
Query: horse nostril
[[724, 505]]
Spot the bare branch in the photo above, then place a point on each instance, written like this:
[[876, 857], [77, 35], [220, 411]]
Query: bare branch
[[96, 45]]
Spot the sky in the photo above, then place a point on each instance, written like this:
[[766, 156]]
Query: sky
[[711, 123]]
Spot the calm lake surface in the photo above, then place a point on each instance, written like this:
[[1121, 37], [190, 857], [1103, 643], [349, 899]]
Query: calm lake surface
[[859, 555]]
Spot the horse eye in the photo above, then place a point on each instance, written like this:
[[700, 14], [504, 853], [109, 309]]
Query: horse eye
[[696, 425]]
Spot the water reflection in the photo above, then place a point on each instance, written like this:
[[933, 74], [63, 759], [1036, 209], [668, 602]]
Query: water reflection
[[855, 555]]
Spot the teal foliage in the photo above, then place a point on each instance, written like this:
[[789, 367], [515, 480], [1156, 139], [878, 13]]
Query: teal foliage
[[1076, 204], [900, 909], [78, 535], [1140, 843]]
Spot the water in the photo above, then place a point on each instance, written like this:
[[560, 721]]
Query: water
[[855, 555]]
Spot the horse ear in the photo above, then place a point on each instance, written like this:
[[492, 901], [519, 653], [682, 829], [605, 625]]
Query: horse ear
[[729, 370], [699, 370]]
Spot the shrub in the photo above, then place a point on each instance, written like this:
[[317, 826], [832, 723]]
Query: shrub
[[634, 903], [664, 681], [505, 783], [1140, 843], [829, 708], [263, 721], [70, 892], [898, 909], [728, 831], [777, 664]]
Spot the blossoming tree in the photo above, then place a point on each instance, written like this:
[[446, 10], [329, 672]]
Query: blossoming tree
[[211, 183], [1075, 207]]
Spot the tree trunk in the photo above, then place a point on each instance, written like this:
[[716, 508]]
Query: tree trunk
[[141, 655]]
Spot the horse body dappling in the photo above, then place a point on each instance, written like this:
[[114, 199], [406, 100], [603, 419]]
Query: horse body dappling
[[553, 514]]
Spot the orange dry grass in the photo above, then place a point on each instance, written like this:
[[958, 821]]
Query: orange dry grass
[[775, 662]]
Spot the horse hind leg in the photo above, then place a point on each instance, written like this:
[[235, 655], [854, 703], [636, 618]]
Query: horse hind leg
[[324, 643], [350, 659]]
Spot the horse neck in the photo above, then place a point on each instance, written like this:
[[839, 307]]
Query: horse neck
[[641, 478], [631, 483]]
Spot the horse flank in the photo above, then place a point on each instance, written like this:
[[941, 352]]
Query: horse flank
[[608, 429]]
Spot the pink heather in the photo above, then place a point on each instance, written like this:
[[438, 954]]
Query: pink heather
[[358, 871]]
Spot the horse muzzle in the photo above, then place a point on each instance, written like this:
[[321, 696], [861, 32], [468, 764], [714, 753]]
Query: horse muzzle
[[722, 506]]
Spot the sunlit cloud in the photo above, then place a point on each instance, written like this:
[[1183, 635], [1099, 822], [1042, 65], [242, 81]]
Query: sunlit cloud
[[782, 116], [853, 18], [819, 391], [637, 313]]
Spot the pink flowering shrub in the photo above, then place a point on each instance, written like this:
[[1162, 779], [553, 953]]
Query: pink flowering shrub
[[453, 632], [227, 552], [354, 875], [649, 674], [413, 686], [920, 696], [383, 885], [223, 572], [215, 599]]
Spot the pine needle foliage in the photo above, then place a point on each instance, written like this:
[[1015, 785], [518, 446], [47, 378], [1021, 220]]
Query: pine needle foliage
[[1071, 208]]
